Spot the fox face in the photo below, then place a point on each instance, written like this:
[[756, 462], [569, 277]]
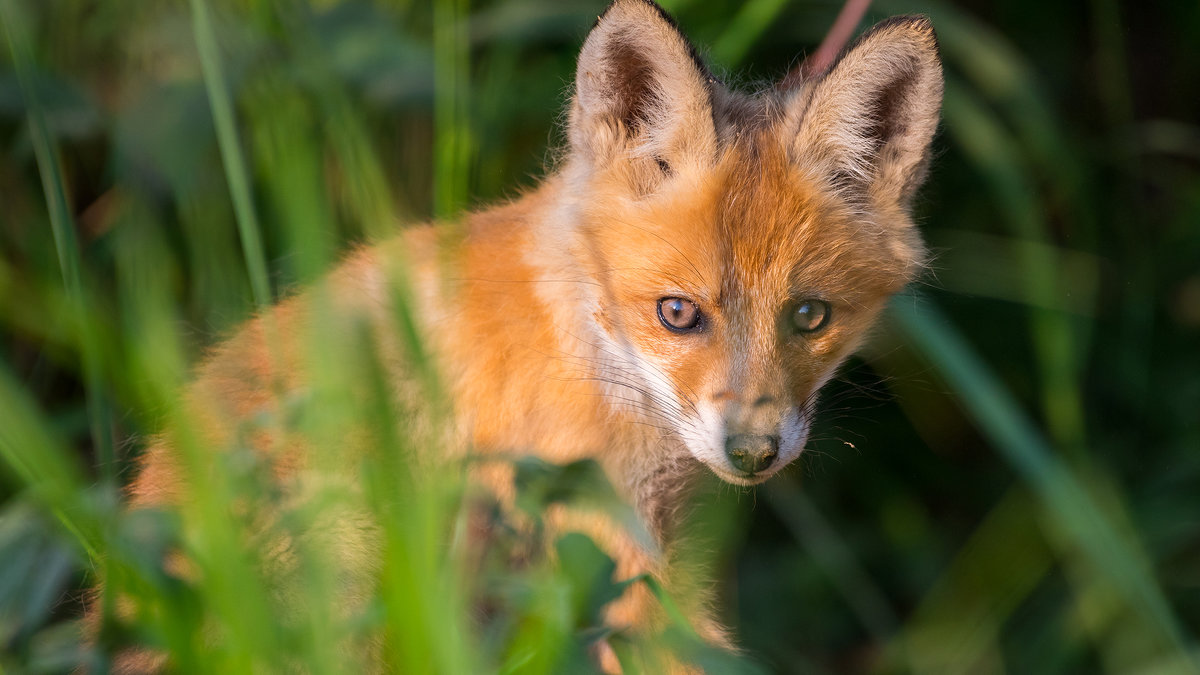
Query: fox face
[[739, 246]]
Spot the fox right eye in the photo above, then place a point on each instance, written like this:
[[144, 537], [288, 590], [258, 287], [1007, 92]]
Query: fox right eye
[[810, 316], [679, 314]]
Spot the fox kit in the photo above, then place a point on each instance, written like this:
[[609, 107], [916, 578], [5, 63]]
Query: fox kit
[[668, 302]]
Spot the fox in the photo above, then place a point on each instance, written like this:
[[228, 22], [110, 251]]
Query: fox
[[668, 301]]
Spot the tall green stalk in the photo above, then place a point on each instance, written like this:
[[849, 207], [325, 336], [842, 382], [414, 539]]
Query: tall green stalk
[[63, 226], [453, 142], [231, 152]]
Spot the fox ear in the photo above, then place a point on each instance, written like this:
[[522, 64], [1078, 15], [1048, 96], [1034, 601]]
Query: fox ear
[[641, 92], [869, 121]]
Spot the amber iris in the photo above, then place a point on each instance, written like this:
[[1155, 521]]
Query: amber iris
[[679, 314], [810, 316]]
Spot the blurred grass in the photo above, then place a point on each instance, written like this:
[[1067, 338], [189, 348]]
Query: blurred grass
[[1025, 502]]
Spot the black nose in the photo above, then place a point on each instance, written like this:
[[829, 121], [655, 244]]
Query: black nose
[[751, 453]]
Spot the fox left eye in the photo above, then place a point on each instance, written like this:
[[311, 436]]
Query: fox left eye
[[678, 314], [810, 316]]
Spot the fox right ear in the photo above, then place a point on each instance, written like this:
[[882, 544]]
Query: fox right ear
[[869, 121], [641, 92]]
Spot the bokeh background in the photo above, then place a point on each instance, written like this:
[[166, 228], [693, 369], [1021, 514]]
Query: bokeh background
[[1006, 480]]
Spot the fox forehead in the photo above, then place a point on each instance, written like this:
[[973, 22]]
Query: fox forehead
[[752, 228]]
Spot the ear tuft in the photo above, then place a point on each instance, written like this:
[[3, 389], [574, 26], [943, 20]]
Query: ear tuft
[[869, 121], [641, 91]]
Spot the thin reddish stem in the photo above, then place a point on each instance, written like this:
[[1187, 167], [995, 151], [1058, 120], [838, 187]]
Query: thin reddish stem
[[835, 41]]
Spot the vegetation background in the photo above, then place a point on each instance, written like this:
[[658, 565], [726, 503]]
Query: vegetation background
[[1007, 480]]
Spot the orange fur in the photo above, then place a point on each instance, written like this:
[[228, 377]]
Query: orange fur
[[541, 313]]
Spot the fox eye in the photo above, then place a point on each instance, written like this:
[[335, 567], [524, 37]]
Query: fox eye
[[810, 315], [679, 314]]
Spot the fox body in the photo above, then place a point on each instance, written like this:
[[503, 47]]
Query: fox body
[[669, 301]]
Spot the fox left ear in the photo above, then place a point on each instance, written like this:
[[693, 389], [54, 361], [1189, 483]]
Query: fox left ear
[[869, 121], [641, 92]]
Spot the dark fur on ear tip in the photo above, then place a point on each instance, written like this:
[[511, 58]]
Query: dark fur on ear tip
[[919, 21]]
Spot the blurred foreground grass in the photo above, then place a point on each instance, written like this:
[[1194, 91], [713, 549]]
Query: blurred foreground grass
[[1006, 481]]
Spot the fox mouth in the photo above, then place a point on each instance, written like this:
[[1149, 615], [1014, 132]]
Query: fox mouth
[[726, 470], [741, 477]]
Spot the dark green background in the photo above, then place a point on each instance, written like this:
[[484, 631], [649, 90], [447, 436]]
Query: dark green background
[[1008, 478]]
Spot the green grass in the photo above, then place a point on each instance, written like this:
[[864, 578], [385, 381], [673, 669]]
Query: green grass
[[1003, 482]]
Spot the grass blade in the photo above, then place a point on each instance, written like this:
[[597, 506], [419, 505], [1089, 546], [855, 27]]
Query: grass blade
[[1077, 513], [231, 152], [63, 227], [453, 145]]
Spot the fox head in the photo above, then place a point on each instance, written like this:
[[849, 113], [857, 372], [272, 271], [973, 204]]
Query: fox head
[[740, 246]]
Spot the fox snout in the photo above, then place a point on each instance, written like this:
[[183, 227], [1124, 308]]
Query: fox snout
[[749, 442]]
